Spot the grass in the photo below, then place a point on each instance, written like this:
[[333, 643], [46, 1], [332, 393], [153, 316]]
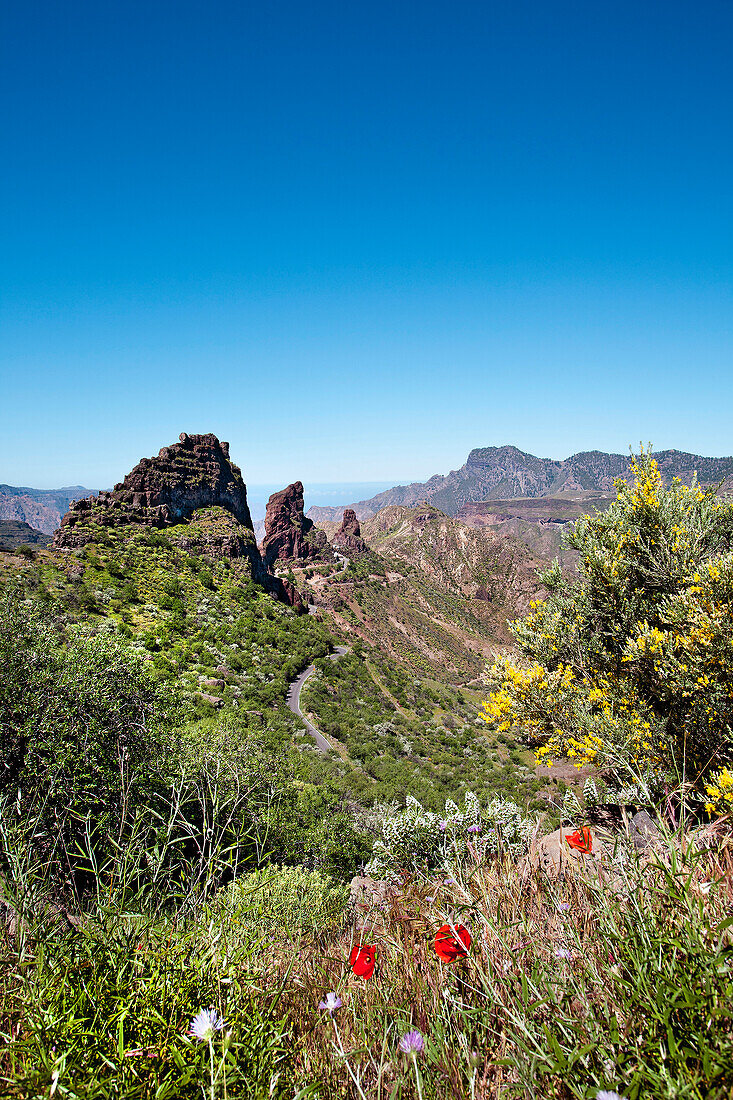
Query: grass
[[570, 986], [640, 1005]]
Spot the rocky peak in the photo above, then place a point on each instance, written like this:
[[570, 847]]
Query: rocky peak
[[194, 473], [289, 534], [348, 537]]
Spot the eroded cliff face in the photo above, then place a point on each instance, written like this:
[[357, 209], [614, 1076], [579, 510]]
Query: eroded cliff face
[[289, 534], [162, 491], [348, 537], [195, 490]]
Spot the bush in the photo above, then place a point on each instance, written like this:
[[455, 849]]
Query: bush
[[80, 730], [285, 899], [630, 667], [415, 838]]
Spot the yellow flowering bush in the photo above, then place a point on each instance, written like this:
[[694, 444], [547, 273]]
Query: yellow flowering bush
[[630, 666]]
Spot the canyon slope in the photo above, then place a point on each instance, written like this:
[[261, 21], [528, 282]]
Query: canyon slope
[[428, 590], [504, 473], [41, 509]]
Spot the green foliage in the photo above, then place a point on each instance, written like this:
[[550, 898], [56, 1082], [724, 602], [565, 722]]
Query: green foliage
[[102, 1010], [394, 725], [415, 838], [278, 900], [631, 666], [80, 722]]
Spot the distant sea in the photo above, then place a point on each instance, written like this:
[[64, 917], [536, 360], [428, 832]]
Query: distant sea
[[322, 493]]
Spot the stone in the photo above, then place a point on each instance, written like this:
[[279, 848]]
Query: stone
[[214, 700], [553, 855], [643, 831], [289, 534], [348, 537]]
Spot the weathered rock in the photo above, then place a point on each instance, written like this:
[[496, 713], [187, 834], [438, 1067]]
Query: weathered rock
[[160, 492], [289, 534], [348, 537], [643, 831], [366, 892], [191, 488], [214, 700], [554, 855]]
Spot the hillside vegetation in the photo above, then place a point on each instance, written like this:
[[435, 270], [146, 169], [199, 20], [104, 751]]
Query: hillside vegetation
[[177, 861]]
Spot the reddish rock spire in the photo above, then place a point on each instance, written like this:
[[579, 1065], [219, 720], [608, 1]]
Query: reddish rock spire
[[289, 534], [348, 537]]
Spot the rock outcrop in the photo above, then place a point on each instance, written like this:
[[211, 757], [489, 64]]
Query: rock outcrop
[[289, 534], [348, 537], [191, 488], [160, 492]]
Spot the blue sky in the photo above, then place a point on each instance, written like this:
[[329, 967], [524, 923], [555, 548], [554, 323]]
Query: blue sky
[[359, 240]]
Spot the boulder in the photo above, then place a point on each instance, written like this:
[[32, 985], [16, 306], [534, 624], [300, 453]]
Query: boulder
[[643, 831], [554, 855]]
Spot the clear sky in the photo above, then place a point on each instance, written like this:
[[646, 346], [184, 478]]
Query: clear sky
[[357, 240]]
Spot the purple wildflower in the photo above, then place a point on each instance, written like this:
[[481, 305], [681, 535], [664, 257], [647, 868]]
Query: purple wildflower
[[474, 828], [331, 1003], [412, 1043], [563, 953], [205, 1024], [443, 825]]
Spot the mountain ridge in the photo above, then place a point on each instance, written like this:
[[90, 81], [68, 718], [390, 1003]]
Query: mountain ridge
[[505, 473], [41, 509]]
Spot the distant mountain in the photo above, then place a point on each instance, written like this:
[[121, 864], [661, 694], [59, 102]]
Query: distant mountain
[[42, 509], [14, 533], [504, 473]]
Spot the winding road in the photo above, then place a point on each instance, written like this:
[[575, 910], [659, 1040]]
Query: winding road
[[293, 700]]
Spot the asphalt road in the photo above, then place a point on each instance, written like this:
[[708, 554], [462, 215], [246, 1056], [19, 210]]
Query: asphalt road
[[293, 699]]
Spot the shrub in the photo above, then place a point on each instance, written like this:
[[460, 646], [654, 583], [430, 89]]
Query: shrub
[[630, 666], [285, 899], [80, 721], [415, 838]]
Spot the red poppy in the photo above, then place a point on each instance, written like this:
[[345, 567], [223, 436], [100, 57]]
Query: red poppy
[[581, 840], [362, 959], [451, 943]]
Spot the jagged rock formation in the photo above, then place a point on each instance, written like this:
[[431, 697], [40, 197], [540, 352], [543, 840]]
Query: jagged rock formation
[[41, 509], [194, 490], [348, 537], [194, 473], [502, 473], [289, 534]]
